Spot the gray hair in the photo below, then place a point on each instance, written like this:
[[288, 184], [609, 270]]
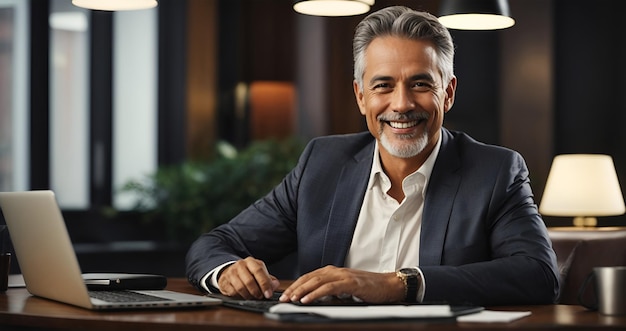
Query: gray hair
[[404, 22]]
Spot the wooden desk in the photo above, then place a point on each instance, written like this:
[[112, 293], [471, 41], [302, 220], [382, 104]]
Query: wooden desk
[[21, 311]]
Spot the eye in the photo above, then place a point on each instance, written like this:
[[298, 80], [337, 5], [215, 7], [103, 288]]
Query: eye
[[421, 86], [381, 87]]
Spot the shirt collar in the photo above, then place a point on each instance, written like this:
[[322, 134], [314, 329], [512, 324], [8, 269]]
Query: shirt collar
[[426, 169]]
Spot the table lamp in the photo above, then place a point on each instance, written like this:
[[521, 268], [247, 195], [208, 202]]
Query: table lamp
[[582, 186]]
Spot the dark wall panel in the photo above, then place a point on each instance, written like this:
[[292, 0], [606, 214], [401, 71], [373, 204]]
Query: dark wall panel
[[589, 65], [476, 67], [588, 60]]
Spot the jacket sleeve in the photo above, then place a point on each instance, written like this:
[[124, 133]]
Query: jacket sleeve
[[510, 259]]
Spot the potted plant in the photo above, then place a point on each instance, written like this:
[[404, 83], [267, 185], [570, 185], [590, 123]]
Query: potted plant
[[193, 197]]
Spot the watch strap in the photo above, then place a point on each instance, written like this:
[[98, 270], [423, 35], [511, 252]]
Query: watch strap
[[411, 279]]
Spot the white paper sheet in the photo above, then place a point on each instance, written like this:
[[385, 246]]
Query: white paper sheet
[[491, 316], [367, 312]]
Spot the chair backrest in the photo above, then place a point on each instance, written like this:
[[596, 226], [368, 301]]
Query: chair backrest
[[579, 251]]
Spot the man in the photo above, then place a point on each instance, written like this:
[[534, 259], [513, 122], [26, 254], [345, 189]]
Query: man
[[408, 211]]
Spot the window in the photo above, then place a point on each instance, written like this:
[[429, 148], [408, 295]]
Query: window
[[80, 106], [69, 104], [14, 163], [135, 99], [80, 158]]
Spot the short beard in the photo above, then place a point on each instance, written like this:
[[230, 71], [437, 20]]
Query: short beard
[[409, 145], [405, 150]]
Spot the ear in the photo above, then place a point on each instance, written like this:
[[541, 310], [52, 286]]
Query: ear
[[359, 97], [450, 93]]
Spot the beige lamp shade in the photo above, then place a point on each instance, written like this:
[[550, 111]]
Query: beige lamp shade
[[582, 185], [332, 7], [113, 5]]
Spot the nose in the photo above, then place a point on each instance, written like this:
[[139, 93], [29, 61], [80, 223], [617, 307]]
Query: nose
[[402, 100]]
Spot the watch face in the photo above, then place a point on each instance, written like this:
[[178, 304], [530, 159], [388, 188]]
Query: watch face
[[409, 271]]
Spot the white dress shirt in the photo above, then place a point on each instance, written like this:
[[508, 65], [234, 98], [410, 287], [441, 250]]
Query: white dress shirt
[[387, 234]]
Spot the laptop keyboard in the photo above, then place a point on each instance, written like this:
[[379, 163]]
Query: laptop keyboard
[[251, 305], [258, 306], [124, 296]]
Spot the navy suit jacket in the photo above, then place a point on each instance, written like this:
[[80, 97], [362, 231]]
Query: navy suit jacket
[[482, 240]]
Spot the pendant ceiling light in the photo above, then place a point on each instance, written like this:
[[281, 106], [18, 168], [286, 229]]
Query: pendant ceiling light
[[115, 4], [475, 14], [332, 7]]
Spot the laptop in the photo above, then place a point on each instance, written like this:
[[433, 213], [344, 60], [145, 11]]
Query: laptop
[[49, 265]]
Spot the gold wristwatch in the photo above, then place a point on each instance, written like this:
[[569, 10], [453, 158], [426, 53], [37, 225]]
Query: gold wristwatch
[[410, 278]]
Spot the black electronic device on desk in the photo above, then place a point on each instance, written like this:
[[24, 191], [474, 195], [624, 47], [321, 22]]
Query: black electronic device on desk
[[124, 281]]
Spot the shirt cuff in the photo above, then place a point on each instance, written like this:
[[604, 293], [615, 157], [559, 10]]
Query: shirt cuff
[[422, 288], [209, 281]]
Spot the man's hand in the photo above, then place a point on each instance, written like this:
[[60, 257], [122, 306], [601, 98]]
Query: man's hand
[[248, 279], [329, 281]]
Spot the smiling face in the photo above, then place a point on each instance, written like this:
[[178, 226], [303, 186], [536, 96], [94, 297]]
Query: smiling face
[[404, 98]]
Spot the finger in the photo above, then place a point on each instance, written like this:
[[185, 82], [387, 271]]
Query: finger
[[264, 284], [291, 291], [312, 286], [245, 284], [307, 282], [255, 279], [275, 283], [324, 291]]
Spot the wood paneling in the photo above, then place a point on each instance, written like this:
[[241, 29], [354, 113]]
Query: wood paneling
[[201, 77], [526, 98]]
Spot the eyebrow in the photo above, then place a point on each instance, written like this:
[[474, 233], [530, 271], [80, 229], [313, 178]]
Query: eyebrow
[[422, 76], [379, 79]]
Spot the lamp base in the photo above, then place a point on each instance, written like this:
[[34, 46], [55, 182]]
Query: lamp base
[[581, 221]]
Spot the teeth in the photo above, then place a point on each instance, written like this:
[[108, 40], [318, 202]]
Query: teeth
[[402, 125]]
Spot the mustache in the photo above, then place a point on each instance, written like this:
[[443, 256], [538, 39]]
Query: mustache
[[409, 116]]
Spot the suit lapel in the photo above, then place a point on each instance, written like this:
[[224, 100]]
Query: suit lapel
[[442, 188], [440, 195], [346, 206]]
